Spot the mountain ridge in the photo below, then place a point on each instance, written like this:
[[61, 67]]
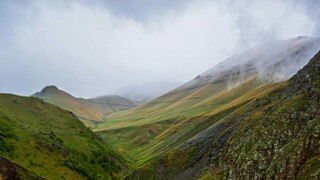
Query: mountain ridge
[[90, 111]]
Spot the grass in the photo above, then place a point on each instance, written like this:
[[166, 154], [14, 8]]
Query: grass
[[174, 122], [53, 143]]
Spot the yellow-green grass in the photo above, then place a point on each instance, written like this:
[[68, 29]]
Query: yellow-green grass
[[148, 131], [86, 110], [201, 101]]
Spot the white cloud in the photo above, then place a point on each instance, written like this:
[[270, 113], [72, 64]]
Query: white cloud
[[90, 51]]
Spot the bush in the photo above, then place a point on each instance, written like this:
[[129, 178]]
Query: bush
[[80, 168]]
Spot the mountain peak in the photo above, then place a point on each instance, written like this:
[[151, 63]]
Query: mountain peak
[[51, 87], [47, 90]]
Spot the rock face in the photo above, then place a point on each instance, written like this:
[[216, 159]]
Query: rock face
[[275, 136]]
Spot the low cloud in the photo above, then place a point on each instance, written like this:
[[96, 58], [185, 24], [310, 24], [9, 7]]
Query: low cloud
[[92, 48]]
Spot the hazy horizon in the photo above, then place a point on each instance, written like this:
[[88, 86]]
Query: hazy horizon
[[91, 48]]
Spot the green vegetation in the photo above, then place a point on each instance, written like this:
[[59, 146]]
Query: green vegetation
[[53, 143]]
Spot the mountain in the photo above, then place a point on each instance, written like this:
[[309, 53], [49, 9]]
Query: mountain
[[114, 102], [275, 136], [145, 92], [151, 133], [90, 111], [255, 115], [38, 139], [275, 61]]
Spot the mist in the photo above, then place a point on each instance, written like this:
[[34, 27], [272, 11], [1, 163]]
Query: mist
[[92, 48], [273, 62]]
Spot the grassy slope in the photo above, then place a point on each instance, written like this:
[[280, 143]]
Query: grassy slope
[[52, 142], [88, 111], [150, 130], [274, 136]]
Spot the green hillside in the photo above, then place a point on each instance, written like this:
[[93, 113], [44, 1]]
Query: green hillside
[[275, 136], [52, 143]]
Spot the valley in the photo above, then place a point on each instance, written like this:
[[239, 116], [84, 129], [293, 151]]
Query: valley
[[255, 115], [159, 90]]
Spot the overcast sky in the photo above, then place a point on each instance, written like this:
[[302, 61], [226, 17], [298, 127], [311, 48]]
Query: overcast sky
[[93, 47]]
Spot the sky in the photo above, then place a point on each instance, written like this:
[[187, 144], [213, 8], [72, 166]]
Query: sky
[[94, 47]]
